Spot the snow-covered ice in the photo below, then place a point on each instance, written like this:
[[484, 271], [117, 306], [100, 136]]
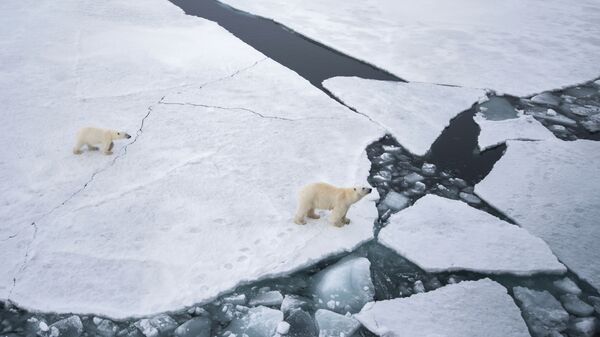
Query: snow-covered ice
[[511, 46], [546, 187], [414, 113], [541, 310], [525, 127], [439, 234], [345, 286], [469, 308], [201, 199], [331, 324]]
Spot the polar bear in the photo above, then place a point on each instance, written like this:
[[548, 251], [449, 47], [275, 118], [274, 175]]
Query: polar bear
[[325, 196], [93, 136]]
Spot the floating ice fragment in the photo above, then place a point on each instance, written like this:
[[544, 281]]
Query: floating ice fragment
[[344, 282], [413, 178], [195, 327], [301, 324], [592, 124], [270, 298], [283, 328], [558, 119], [471, 308], [583, 327], [418, 287], [68, 327], [576, 306], [428, 169], [542, 312], [105, 328], [332, 324], [395, 201], [470, 198], [551, 112], [235, 299], [258, 322], [546, 98], [291, 302], [566, 285]]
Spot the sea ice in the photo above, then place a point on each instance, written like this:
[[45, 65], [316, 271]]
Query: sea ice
[[583, 327], [68, 327], [414, 113], [195, 327], [524, 127], [541, 310], [567, 285], [331, 324], [258, 322], [576, 306], [218, 160], [439, 234], [497, 108], [270, 298], [546, 98], [509, 46], [545, 187], [301, 324], [292, 302], [395, 201], [469, 308], [347, 284]]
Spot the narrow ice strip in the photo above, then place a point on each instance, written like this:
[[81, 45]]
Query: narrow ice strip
[[550, 188], [524, 127], [204, 201], [440, 234], [414, 113], [509, 46], [466, 309]]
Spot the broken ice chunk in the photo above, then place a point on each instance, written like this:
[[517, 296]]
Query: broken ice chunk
[[301, 324], [195, 327], [68, 327], [235, 299], [580, 92], [413, 178], [583, 327], [105, 327], [258, 322], [542, 311], [382, 176], [596, 302], [428, 169], [566, 285], [546, 98], [331, 324], [419, 287], [558, 119], [551, 112], [291, 302], [348, 283], [270, 298], [575, 306], [592, 124], [161, 325], [470, 198], [395, 201]]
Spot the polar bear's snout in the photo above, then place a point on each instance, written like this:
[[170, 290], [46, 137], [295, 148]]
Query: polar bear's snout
[[127, 136]]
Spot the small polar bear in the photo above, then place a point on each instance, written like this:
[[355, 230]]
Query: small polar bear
[[325, 196], [96, 136]]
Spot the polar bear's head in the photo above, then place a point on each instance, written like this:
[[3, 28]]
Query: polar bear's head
[[360, 191], [120, 135]]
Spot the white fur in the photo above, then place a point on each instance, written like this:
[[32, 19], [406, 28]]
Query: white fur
[[325, 196], [91, 136]]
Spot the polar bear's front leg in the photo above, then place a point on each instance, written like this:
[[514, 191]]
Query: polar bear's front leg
[[77, 147], [311, 214], [338, 215], [107, 147]]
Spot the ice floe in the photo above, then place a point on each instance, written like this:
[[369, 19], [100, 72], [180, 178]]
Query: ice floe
[[547, 187], [440, 234], [541, 310], [414, 113], [469, 308], [514, 47], [200, 200], [524, 127]]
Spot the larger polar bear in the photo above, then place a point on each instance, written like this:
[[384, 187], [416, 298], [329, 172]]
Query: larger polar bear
[[325, 196], [95, 136]]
